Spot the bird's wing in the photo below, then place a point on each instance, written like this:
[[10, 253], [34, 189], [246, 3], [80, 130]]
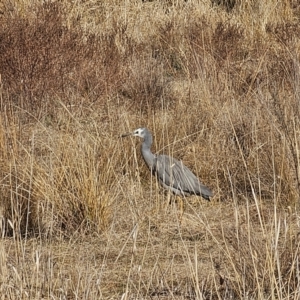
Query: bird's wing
[[175, 174]]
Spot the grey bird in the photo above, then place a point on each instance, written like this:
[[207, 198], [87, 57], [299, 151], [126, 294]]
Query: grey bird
[[171, 173]]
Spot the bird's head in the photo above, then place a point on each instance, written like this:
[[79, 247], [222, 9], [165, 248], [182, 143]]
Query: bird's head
[[139, 132]]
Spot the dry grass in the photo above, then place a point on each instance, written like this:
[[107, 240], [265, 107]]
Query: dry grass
[[217, 84]]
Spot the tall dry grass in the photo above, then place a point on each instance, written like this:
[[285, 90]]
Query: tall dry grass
[[217, 84]]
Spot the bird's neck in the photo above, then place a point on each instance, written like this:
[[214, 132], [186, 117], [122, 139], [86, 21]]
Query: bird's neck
[[148, 140], [146, 151]]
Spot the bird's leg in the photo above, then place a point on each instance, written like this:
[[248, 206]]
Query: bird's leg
[[181, 208], [169, 201], [169, 197]]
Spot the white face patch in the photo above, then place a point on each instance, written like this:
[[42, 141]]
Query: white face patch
[[139, 132]]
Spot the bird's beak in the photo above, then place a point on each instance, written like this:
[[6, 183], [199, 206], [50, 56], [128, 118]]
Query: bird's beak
[[126, 134]]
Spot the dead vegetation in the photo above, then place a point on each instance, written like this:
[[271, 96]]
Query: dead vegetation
[[217, 84]]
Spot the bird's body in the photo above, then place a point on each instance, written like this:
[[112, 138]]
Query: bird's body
[[171, 173]]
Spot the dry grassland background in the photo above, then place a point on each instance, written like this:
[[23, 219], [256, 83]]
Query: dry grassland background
[[217, 83]]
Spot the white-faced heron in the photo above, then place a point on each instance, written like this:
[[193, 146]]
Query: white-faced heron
[[171, 173]]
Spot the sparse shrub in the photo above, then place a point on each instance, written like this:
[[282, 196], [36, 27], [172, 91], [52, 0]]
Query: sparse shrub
[[227, 4], [42, 58], [226, 41], [145, 87]]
